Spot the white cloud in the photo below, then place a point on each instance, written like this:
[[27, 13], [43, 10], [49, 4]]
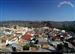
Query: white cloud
[[65, 2]]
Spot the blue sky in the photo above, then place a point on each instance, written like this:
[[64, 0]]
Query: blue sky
[[36, 10]]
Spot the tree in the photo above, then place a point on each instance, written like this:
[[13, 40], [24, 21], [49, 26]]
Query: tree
[[26, 47], [15, 27]]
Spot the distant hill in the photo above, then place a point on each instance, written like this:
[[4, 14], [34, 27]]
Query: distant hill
[[67, 25]]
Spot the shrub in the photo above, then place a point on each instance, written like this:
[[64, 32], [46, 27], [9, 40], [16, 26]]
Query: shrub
[[26, 47]]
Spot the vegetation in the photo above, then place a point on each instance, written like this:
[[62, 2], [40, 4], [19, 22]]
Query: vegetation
[[69, 26], [34, 46], [26, 47]]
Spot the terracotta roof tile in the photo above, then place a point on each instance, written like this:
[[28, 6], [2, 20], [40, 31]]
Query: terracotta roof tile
[[27, 36]]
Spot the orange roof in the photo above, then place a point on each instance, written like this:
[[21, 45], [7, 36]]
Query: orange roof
[[39, 33], [27, 36]]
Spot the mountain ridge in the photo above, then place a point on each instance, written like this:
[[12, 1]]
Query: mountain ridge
[[70, 25]]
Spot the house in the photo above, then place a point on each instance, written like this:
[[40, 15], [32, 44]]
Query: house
[[45, 45], [3, 39], [9, 42], [42, 40], [45, 27], [55, 29], [27, 36], [7, 32], [68, 36], [20, 31]]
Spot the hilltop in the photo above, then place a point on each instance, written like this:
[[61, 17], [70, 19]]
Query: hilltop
[[67, 25]]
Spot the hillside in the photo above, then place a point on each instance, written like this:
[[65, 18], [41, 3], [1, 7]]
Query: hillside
[[67, 25]]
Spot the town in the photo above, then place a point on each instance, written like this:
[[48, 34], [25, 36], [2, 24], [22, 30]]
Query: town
[[44, 39]]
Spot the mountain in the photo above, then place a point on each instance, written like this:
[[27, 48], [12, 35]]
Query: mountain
[[67, 25]]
